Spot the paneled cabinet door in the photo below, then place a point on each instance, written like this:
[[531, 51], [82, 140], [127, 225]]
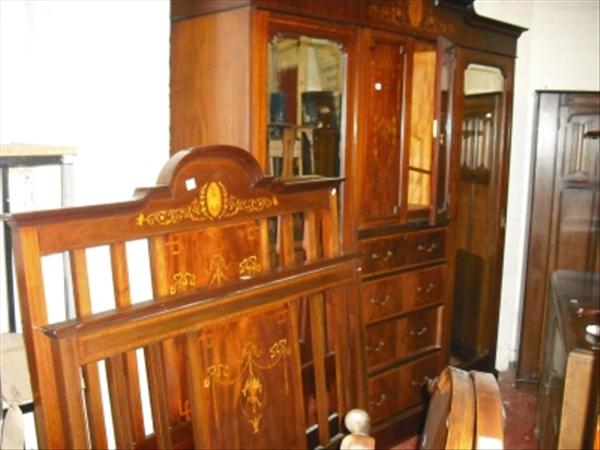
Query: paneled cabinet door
[[380, 117]]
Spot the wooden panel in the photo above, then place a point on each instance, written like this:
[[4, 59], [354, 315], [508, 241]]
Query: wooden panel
[[456, 20], [383, 104], [250, 381], [565, 208], [400, 388], [402, 293], [395, 339], [211, 106]]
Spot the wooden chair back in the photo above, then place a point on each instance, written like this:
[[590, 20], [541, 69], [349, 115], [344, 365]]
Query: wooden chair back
[[245, 339], [465, 412]]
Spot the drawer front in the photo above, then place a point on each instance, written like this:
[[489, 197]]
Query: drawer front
[[402, 293], [380, 255], [399, 338], [401, 388], [425, 246]]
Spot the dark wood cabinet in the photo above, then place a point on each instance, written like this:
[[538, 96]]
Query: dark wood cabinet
[[392, 72], [568, 392], [565, 210]]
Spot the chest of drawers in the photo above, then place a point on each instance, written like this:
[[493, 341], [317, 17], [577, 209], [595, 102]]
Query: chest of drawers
[[403, 297]]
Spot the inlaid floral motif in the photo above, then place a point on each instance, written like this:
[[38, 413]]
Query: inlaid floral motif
[[251, 379], [214, 202]]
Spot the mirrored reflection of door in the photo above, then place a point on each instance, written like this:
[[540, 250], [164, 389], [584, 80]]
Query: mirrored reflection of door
[[306, 105], [477, 221]]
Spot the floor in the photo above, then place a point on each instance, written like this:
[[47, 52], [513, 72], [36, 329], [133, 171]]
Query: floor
[[520, 410]]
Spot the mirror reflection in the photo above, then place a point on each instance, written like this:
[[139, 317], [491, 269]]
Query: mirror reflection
[[483, 94], [306, 101], [477, 193]]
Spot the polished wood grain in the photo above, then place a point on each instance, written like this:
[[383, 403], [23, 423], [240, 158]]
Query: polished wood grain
[[454, 19], [489, 426], [451, 414], [403, 293], [195, 91], [568, 389], [401, 187], [398, 389], [563, 233], [392, 340], [223, 317], [381, 112]]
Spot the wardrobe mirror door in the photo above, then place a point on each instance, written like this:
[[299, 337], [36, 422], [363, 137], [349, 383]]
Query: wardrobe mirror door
[[306, 92], [476, 221]]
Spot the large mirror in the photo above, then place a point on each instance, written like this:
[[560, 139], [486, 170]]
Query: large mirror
[[306, 106], [479, 217]]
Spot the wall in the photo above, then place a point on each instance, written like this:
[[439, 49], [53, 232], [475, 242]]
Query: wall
[[93, 75], [559, 52]]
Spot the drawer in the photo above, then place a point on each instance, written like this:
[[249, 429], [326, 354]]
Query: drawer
[[424, 246], [402, 293], [380, 255], [401, 388], [398, 338]]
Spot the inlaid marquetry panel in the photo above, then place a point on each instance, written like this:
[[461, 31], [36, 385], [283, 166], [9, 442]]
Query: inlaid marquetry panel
[[380, 195], [251, 382]]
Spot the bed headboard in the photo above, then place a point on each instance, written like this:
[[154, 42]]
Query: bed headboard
[[248, 338]]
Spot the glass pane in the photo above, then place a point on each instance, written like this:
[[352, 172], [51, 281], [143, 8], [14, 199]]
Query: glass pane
[[421, 125], [306, 101]]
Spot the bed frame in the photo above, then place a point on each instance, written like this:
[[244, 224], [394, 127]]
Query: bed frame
[[250, 338]]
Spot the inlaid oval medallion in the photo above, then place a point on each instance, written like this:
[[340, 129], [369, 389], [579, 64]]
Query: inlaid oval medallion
[[214, 199], [415, 12]]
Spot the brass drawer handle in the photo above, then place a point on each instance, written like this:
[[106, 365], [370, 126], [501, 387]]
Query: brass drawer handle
[[383, 302], [421, 332], [376, 348], [426, 290], [381, 401], [428, 248], [419, 383], [387, 256]]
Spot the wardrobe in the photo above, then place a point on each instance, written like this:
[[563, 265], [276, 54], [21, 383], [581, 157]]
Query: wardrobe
[[409, 102]]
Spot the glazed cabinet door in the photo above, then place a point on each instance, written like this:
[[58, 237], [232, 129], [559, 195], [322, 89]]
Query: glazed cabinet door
[[380, 115]]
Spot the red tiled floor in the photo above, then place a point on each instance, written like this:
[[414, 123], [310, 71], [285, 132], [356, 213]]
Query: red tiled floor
[[520, 410]]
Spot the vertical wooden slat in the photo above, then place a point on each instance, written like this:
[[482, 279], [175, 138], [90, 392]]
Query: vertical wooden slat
[[337, 319], [120, 275], [265, 255], [71, 398], [331, 233], [199, 407], [286, 239], [49, 425], [158, 395], [91, 375], [310, 235], [318, 350], [160, 289], [119, 401], [296, 375]]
